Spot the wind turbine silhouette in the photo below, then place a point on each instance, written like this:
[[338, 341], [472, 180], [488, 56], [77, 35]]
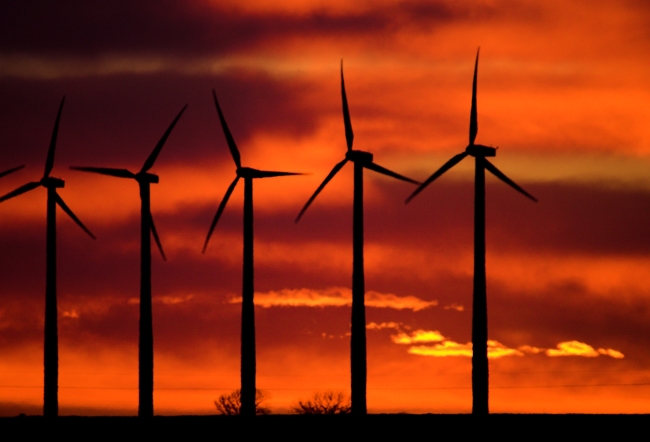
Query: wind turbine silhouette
[[147, 228], [248, 358], [479, 310], [51, 346], [361, 160]]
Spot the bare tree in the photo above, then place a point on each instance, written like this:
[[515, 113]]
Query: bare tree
[[230, 404], [327, 402]]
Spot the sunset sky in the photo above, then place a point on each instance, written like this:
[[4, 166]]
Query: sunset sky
[[563, 91]]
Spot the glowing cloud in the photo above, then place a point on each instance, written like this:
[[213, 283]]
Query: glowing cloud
[[171, 299], [530, 349], [335, 297], [444, 349], [384, 325], [576, 348], [611, 352], [454, 306], [73, 314], [496, 349], [418, 336], [388, 300]]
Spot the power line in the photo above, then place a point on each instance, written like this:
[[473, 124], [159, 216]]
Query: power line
[[641, 384], [164, 374]]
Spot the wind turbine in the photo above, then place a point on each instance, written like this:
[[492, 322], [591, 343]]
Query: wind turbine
[[147, 228], [51, 346], [248, 360], [479, 309], [361, 160]]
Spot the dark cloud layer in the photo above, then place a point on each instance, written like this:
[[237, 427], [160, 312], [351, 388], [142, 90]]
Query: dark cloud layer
[[569, 218], [202, 28], [118, 120], [607, 222]]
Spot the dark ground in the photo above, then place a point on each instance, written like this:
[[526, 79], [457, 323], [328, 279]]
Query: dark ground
[[290, 427]]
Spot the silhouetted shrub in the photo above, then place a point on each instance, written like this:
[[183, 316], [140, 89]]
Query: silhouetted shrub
[[327, 402], [230, 404]]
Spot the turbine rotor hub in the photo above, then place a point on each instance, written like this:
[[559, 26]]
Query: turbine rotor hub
[[51, 182], [247, 172], [359, 156], [146, 178], [478, 150]]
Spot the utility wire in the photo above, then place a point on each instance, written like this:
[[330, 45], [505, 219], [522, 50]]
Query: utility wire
[[496, 387]]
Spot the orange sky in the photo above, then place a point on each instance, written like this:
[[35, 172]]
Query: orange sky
[[563, 91]]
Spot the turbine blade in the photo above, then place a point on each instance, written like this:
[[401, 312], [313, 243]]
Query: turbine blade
[[120, 173], [49, 163], [473, 122], [379, 169], [327, 179], [349, 135], [22, 189], [222, 206], [497, 173], [231, 142], [7, 172], [67, 210], [445, 167], [271, 174], [154, 154], [155, 236]]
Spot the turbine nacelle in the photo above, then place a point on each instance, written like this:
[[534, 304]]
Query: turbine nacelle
[[47, 181], [359, 156], [145, 177], [478, 150], [475, 150], [248, 172], [52, 183]]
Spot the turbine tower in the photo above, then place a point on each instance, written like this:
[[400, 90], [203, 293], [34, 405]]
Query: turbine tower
[[248, 359], [361, 160], [147, 228], [51, 346], [479, 309]]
